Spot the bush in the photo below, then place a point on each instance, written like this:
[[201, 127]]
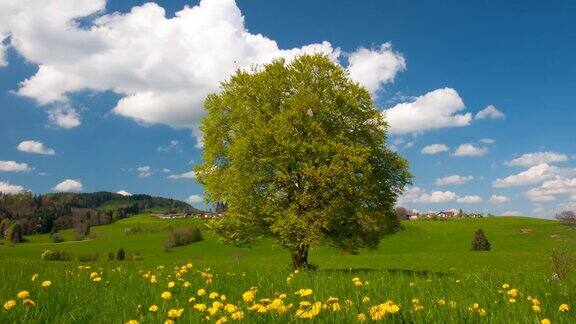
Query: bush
[[567, 217], [57, 238], [136, 229], [80, 230], [14, 233], [88, 257], [182, 236], [121, 255], [50, 255], [137, 257], [480, 242]]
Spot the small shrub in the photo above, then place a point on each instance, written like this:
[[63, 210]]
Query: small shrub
[[121, 255], [57, 238], [480, 242], [14, 233], [88, 257], [182, 236], [562, 262], [80, 231], [50, 255], [137, 257], [567, 217], [136, 229]]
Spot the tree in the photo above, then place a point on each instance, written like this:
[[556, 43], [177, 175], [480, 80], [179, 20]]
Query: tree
[[15, 234], [461, 214], [121, 255], [567, 217], [401, 213], [297, 152], [480, 242]]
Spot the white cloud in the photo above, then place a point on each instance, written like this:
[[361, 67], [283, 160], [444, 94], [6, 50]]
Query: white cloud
[[69, 185], [532, 159], [186, 175], [35, 147], [13, 166], [64, 116], [490, 112], [166, 170], [498, 199], [434, 149], [144, 171], [173, 146], [123, 193], [469, 199], [7, 188], [195, 199], [418, 195], [453, 180], [375, 67], [469, 149], [549, 190], [434, 110], [487, 141], [535, 174], [161, 65]]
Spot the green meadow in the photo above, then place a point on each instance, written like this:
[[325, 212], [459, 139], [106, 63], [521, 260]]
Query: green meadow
[[427, 270]]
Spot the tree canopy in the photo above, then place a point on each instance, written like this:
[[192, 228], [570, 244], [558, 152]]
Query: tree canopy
[[297, 151]]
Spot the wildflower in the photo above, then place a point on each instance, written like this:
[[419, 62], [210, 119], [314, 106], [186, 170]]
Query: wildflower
[[201, 292], [335, 307], [132, 322], [175, 313], [311, 312], [356, 281], [189, 266], [200, 307], [23, 294], [238, 315], [153, 309], [305, 292], [153, 279], [97, 279], [511, 300], [415, 301], [365, 299], [482, 312], [412, 284], [505, 286], [9, 304], [168, 321], [46, 283], [536, 308], [513, 293], [186, 284], [282, 296], [94, 275], [441, 302], [29, 302], [214, 295], [545, 321], [166, 295], [171, 284], [230, 308], [34, 276], [564, 308], [221, 320], [535, 302], [361, 317], [248, 296]]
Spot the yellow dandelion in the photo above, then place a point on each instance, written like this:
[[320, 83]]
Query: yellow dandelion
[[201, 292], [536, 308], [200, 307], [213, 295], [505, 286], [238, 315], [132, 322], [248, 296], [482, 312], [171, 284], [175, 313], [365, 299], [34, 277], [512, 300], [304, 292], [545, 321], [186, 284], [168, 321], [46, 283], [94, 275], [221, 320], [9, 304], [97, 279], [23, 294], [361, 317], [153, 309], [535, 302], [513, 293], [166, 295], [564, 308]]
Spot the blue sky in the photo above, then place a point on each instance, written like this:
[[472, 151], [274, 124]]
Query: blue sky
[[115, 89]]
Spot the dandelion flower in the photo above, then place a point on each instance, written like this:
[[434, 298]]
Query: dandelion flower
[[564, 308], [46, 283], [153, 309], [9, 304], [238, 315], [221, 320], [248, 296], [166, 295], [536, 308], [361, 317], [168, 321], [512, 300], [200, 307], [186, 284], [23, 294], [545, 321], [171, 284], [304, 292], [482, 312], [97, 279], [34, 276], [213, 295], [505, 286], [132, 322], [201, 292], [175, 313]]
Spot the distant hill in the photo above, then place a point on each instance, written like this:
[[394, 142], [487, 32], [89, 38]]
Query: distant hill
[[40, 213]]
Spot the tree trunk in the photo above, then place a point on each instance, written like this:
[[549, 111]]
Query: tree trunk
[[300, 257]]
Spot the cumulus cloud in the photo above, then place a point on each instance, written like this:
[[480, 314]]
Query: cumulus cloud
[[549, 190], [498, 199], [123, 193], [195, 199], [532, 159], [35, 147], [186, 175], [453, 180], [469, 149], [535, 174], [173, 146], [13, 166], [418, 195], [434, 110], [487, 141], [434, 149], [64, 117], [375, 67], [161, 67], [490, 112], [144, 171], [7, 188], [469, 199], [69, 185]]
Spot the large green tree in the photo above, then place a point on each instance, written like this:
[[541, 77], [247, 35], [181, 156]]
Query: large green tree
[[297, 152]]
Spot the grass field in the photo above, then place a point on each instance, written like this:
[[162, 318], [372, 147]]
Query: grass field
[[426, 270]]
